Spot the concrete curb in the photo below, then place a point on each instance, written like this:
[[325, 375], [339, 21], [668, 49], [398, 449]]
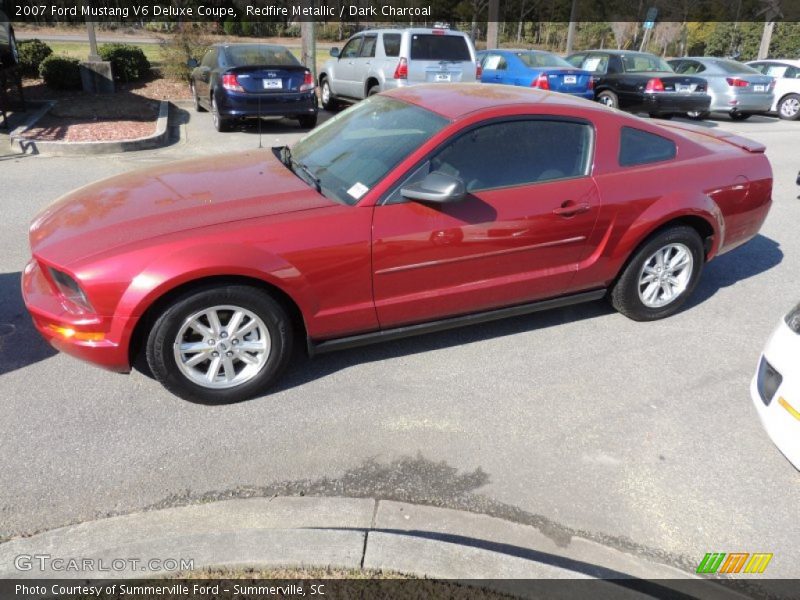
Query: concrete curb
[[26, 146], [337, 532]]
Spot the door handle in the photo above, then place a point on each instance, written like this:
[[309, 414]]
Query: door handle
[[570, 209]]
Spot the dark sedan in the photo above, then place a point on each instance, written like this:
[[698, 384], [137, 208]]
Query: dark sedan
[[238, 81], [642, 82]]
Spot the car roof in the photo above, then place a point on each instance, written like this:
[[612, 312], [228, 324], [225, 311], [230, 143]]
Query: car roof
[[236, 44], [455, 100], [443, 30], [784, 61], [617, 52]]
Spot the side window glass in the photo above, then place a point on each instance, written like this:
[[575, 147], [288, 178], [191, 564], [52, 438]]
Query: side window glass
[[492, 62], [576, 60], [792, 73], [210, 59], [595, 64], [543, 150], [352, 48], [637, 147], [391, 44], [368, 49]]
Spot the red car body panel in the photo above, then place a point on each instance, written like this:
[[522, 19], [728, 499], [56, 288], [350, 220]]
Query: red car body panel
[[132, 239]]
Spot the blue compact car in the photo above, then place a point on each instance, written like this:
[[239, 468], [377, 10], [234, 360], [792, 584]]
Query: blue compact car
[[536, 69]]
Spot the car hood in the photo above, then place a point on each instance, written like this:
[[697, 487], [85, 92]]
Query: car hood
[[176, 197]]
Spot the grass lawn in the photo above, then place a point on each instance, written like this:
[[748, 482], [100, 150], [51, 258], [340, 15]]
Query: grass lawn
[[80, 50]]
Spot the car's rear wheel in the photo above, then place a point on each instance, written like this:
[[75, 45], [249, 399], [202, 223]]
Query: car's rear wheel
[[308, 121], [698, 115], [196, 99], [789, 107], [220, 122], [660, 276], [326, 95], [608, 98], [737, 116], [220, 345]]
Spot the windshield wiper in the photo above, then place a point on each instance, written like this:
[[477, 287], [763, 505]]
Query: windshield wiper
[[309, 173]]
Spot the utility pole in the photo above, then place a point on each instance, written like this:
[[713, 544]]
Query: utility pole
[[491, 26], [309, 43], [573, 16], [766, 39]]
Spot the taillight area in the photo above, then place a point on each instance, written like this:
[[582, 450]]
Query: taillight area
[[308, 82], [541, 82], [736, 82], [654, 85], [401, 72], [478, 71], [231, 83], [591, 83]]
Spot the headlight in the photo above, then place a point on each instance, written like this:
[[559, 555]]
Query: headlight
[[793, 319], [70, 289]]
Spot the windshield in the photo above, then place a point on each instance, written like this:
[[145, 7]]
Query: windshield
[[732, 67], [255, 55], [357, 148], [542, 59], [643, 63]]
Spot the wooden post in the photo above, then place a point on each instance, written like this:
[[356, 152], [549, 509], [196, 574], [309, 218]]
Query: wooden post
[[491, 26], [766, 38], [93, 55], [573, 15]]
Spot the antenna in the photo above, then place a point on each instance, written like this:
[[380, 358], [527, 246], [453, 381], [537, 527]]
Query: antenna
[[259, 121]]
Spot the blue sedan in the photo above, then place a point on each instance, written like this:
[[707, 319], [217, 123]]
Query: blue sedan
[[536, 69]]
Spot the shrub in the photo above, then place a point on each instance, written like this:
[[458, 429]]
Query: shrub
[[61, 72], [127, 62], [31, 55], [189, 41]]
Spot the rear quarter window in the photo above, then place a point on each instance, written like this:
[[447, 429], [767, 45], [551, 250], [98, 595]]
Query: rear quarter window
[[391, 44], [439, 47], [637, 147]]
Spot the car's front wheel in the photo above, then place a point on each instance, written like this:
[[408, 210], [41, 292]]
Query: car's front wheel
[[660, 276], [195, 98], [220, 345], [308, 121], [789, 107], [326, 95]]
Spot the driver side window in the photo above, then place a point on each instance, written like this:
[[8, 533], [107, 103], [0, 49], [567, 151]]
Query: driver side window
[[352, 48]]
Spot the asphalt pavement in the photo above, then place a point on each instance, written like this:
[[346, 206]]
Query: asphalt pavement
[[578, 421]]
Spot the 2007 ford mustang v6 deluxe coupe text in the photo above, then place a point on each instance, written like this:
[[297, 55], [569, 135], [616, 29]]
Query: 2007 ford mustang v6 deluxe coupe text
[[418, 209]]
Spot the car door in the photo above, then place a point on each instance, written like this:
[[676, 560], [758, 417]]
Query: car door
[[597, 64], [346, 84], [363, 64], [495, 68], [203, 75], [516, 236]]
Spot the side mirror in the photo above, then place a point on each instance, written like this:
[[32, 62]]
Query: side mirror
[[192, 63], [335, 52], [437, 187]]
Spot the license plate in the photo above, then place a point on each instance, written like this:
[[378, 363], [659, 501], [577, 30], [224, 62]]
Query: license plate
[[759, 88], [273, 84], [442, 77], [570, 79], [683, 88]]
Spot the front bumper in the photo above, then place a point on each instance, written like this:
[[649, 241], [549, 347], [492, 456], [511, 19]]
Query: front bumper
[[662, 103], [780, 412], [68, 332], [236, 104]]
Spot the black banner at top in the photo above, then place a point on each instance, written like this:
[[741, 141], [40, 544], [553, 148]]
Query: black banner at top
[[420, 12]]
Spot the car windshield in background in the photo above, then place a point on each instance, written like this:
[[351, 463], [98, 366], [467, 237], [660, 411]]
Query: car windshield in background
[[255, 55], [353, 151], [732, 67], [439, 47], [642, 63], [542, 59]]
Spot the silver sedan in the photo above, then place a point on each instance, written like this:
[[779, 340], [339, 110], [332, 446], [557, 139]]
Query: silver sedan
[[735, 89]]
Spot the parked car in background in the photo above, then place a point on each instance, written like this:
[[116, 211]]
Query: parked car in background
[[641, 82], [419, 209], [377, 60], [239, 81], [9, 54], [787, 85], [775, 388], [537, 69], [735, 89]]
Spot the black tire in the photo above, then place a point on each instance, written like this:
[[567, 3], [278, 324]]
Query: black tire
[[329, 101], [163, 363], [375, 89], [625, 295], [737, 116], [608, 98], [789, 107], [308, 121], [197, 106], [221, 124], [698, 115]]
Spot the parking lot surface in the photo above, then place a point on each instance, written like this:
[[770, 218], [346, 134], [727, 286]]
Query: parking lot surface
[[638, 435]]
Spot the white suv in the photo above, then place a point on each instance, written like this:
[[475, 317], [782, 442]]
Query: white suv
[[382, 59]]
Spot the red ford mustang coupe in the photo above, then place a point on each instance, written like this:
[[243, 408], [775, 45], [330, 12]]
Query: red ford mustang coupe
[[416, 210]]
